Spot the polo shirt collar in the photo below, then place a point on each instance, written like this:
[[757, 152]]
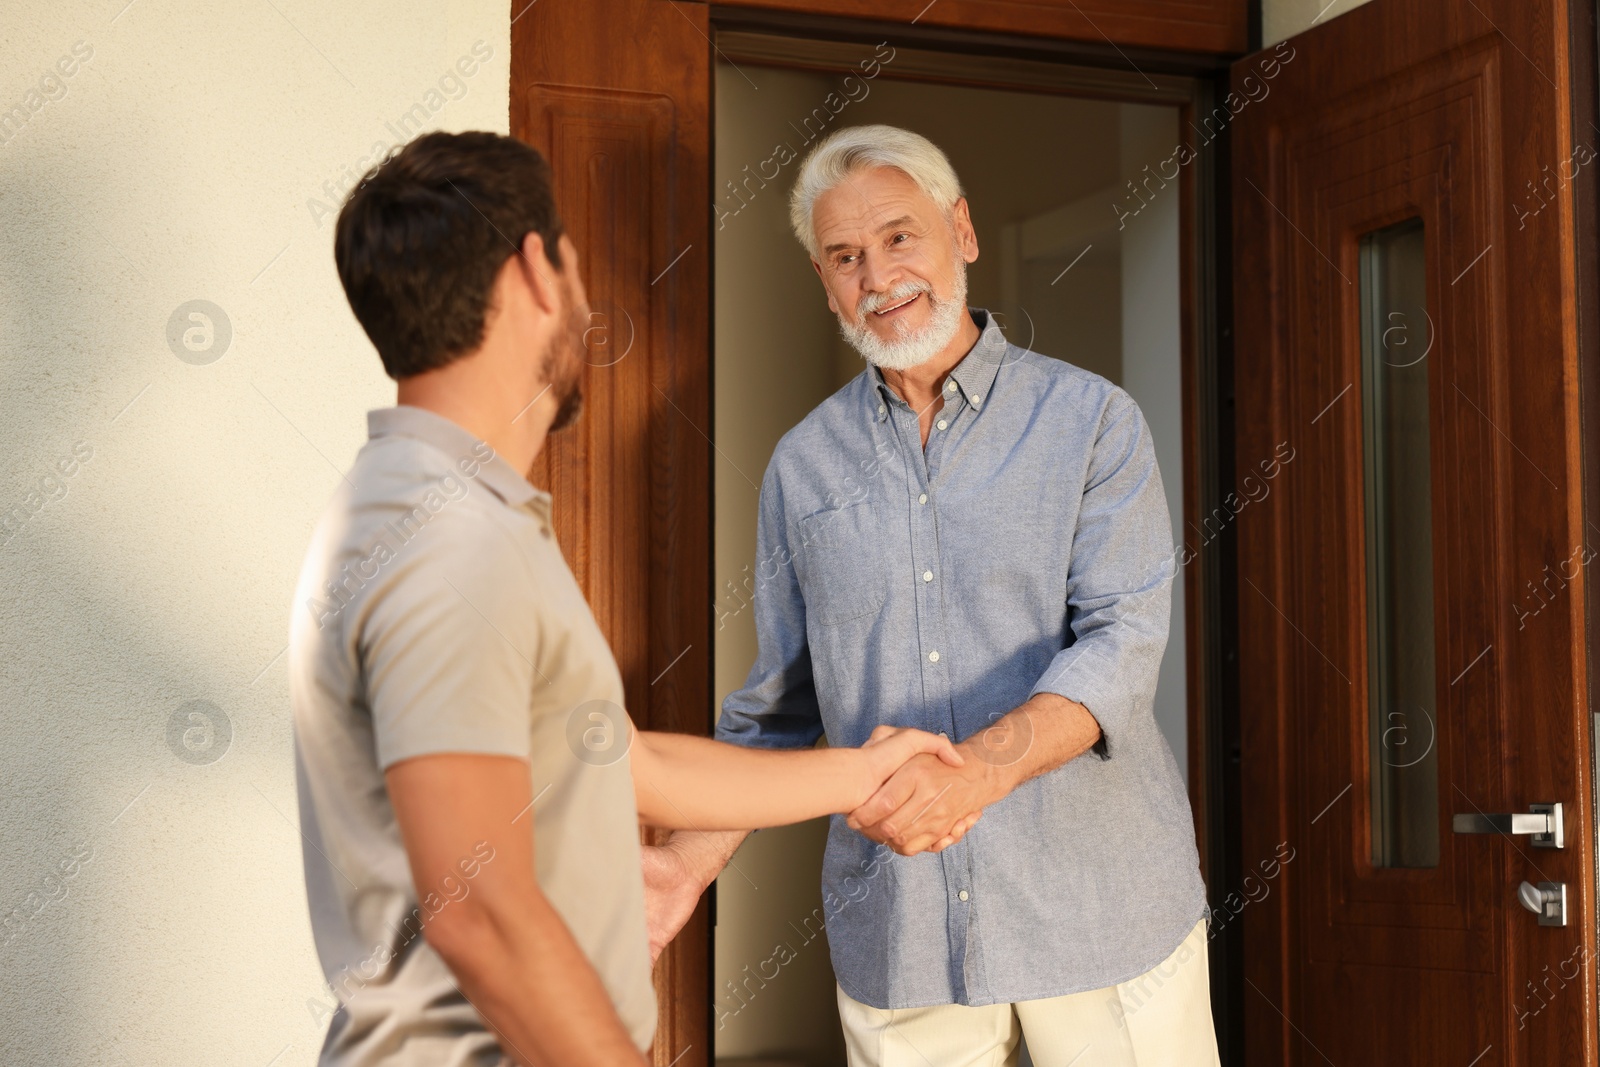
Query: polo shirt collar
[[459, 443], [974, 376]]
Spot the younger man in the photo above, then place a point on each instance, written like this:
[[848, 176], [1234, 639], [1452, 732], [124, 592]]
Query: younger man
[[465, 765]]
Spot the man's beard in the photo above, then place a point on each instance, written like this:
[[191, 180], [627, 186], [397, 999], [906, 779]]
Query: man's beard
[[563, 353], [908, 349]]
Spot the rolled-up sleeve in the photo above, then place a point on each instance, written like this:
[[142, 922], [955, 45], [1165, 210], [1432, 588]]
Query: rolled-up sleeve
[[777, 707], [1119, 584]]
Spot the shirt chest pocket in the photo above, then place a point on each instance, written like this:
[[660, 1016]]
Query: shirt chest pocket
[[841, 555]]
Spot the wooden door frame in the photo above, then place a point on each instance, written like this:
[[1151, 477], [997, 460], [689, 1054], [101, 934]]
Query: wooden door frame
[[660, 490], [1584, 50], [1193, 83]]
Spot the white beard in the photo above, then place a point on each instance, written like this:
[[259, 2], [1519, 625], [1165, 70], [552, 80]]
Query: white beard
[[908, 349]]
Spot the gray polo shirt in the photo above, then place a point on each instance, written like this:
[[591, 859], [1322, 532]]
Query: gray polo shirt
[[435, 613]]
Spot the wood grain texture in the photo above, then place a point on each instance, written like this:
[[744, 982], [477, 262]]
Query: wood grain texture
[[1446, 117], [1197, 424], [617, 93], [1211, 26]]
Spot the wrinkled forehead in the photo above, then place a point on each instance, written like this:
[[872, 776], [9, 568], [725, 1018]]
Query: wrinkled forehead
[[869, 201]]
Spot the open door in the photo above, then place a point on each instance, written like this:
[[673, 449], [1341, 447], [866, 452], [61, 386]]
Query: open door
[[617, 94], [1411, 595]]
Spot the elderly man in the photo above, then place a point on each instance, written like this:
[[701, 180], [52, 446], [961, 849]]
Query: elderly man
[[973, 539]]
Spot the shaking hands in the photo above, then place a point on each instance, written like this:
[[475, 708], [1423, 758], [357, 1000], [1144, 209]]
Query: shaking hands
[[928, 793]]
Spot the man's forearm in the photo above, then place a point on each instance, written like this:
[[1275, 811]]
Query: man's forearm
[[694, 783], [1042, 734], [526, 975]]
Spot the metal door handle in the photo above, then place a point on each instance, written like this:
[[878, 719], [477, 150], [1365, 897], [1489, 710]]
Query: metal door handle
[[1543, 822]]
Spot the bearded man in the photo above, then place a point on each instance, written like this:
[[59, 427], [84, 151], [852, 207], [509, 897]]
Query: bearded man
[[970, 538], [470, 784]]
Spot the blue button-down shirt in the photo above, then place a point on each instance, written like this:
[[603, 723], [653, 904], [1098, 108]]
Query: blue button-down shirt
[[1026, 549]]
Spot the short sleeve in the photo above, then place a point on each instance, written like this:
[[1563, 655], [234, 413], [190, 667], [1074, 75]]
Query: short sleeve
[[448, 646]]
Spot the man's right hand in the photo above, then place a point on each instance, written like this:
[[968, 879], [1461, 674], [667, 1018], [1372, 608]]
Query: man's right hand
[[671, 893], [885, 736], [676, 874]]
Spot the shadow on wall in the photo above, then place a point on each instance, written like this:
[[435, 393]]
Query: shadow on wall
[[181, 385], [147, 738]]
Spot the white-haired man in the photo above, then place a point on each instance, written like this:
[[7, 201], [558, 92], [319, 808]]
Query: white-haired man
[[971, 538]]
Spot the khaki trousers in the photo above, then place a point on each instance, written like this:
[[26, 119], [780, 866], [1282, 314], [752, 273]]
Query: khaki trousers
[[1160, 1019]]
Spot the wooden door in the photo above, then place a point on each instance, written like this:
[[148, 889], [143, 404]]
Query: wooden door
[[1193, 26], [1411, 595], [617, 94]]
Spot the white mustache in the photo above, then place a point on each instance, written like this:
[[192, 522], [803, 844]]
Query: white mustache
[[874, 301]]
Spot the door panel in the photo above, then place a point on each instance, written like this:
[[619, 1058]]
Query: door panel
[[617, 94], [1401, 111], [1369, 164], [1219, 26]]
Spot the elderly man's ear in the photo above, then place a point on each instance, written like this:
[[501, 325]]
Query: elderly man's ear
[[966, 236]]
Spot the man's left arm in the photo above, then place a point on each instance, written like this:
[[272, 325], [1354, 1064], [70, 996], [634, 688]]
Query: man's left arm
[[1119, 589], [696, 783]]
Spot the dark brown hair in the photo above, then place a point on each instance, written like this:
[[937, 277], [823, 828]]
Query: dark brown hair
[[423, 234]]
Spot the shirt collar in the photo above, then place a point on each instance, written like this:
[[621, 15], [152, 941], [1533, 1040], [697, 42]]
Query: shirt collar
[[974, 376], [464, 449]]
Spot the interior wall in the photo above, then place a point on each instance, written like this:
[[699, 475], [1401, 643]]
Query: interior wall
[[1152, 356], [773, 363], [1285, 18], [1071, 302], [162, 477]]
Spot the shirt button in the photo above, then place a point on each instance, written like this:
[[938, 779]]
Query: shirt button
[[882, 409], [933, 657], [962, 894], [943, 734], [976, 399], [927, 576], [950, 386], [923, 499], [942, 424]]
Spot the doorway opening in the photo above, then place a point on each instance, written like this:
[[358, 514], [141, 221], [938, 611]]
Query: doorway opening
[[1087, 232]]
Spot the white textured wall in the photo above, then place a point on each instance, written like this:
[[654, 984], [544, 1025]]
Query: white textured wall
[[150, 880]]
